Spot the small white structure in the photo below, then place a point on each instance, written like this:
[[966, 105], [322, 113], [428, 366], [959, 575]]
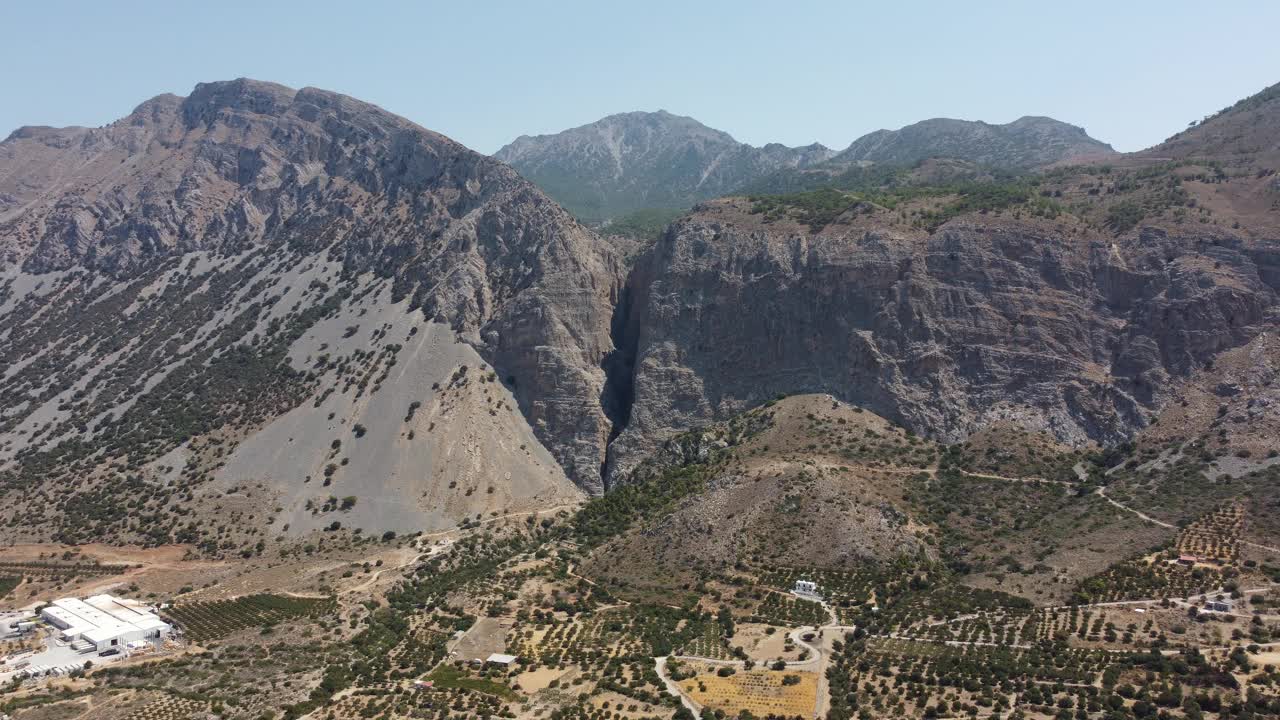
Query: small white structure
[[103, 621], [806, 588], [500, 659]]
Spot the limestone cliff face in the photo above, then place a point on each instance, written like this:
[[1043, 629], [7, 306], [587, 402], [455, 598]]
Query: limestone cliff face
[[247, 166], [983, 319], [200, 236]]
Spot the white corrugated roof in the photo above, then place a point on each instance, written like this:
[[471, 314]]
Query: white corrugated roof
[[103, 617], [72, 623], [126, 611], [88, 613]]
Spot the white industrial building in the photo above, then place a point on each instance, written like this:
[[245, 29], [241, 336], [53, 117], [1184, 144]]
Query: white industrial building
[[103, 621]]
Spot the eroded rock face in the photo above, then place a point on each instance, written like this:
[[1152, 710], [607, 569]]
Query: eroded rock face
[[984, 319], [203, 213], [244, 165]]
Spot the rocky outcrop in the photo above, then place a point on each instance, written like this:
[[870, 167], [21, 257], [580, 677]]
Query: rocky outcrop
[[245, 166], [984, 319], [637, 160]]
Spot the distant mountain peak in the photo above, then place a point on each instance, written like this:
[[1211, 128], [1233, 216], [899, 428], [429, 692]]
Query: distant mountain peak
[[645, 159], [1030, 141]]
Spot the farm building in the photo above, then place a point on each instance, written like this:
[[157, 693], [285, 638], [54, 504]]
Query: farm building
[[103, 621], [500, 659]]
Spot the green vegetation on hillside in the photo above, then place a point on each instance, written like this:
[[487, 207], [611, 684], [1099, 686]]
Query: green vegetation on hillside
[[857, 178], [645, 225], [815, 208], [211, 620], [819, 208], [612, 514]]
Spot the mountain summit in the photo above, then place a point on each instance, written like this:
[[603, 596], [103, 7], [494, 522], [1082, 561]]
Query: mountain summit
[[636, 160], [1025, 143], [298, 290]]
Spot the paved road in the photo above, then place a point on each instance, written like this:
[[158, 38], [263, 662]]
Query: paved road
[[57, 653]]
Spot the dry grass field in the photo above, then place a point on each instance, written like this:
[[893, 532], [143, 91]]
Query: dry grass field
[[762, 692], [764, 642]]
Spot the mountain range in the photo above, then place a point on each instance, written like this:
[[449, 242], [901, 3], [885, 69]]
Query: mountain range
[[635, 161], [289, 309], [635, 422], [631, 161]]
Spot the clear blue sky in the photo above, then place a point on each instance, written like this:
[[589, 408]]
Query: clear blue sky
[[1130, 72]]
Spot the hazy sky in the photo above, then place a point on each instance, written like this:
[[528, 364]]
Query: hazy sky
[[1131, 73]]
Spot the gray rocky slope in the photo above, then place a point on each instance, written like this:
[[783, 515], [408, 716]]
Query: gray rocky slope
[[161, 276]]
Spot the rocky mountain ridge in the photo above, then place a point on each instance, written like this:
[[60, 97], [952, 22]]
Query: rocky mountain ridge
[[1079, 302], [631, 161], [643, 161], [197, 244], [1025, 143], [231, 294]]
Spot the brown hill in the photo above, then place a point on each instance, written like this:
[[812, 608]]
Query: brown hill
[[787, 493], [810, 485], [1246, 132]]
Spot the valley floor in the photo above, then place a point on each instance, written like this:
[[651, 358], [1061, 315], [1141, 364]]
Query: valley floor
[[653, 603]]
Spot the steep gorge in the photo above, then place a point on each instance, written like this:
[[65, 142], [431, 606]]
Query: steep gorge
[[252, 233]]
